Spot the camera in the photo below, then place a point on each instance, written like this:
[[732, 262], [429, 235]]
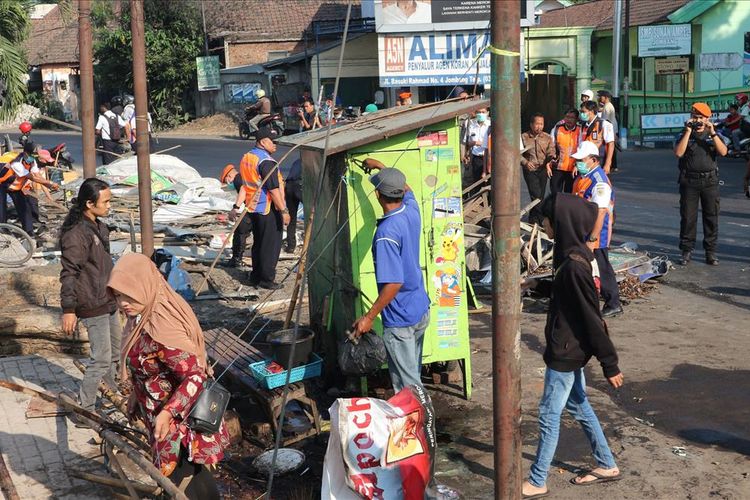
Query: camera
[[694, 124]]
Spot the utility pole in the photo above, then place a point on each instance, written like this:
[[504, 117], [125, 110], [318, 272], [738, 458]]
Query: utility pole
[[137, 31], [626, 67], [506, 208], [86, 65]]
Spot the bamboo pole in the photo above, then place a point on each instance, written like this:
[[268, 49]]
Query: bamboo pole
[[110, 481]]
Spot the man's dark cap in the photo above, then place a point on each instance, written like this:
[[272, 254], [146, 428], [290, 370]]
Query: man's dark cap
[[29, 148], [390, 182], [605, 93], [266, 133]]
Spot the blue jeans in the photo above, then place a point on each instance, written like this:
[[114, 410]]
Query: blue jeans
[[404, 348], [566, 390]]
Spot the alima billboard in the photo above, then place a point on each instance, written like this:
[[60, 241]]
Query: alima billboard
[[431, 59]]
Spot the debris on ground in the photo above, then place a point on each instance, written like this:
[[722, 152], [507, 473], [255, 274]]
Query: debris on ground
[[25, 113], [632, 288], [217, 124]]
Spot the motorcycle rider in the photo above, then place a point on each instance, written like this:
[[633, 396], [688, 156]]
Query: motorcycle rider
[[261, 108], [129, 110], [744, 130], [25, 128]]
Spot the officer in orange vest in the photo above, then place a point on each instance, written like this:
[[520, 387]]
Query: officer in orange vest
[[599, 131], [13, 178], [593, 185], [566, 135], [263, 195]]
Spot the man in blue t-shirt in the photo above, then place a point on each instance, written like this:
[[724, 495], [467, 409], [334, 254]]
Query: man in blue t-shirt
[[402, 299]]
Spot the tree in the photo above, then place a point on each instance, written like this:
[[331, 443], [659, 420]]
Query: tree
[[14, 28], [173, 40]]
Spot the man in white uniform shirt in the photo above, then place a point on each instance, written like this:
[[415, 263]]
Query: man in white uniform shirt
[[475, 140]]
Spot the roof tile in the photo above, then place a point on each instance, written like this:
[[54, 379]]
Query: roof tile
[[599, 13]]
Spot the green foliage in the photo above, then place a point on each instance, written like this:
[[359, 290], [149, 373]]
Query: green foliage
[[173, 40], [14, 28]]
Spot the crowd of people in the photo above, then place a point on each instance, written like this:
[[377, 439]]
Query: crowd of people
[[116, 127]]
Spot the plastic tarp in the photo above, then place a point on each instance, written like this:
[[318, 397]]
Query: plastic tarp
[[167, 165], [195, 201]]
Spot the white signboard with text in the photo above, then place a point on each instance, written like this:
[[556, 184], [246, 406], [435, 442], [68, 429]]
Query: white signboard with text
[[721, 61], [393, 16], [430, 59], [664, 40]]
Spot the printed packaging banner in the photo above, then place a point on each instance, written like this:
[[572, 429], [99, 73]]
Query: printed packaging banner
[[433, 59]]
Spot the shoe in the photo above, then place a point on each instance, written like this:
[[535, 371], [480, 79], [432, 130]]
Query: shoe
[[270, 285], [610, 312], [686, 257], [711, 259]]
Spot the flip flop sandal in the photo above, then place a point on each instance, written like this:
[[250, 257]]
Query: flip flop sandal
[[599, 479], [536, 495]]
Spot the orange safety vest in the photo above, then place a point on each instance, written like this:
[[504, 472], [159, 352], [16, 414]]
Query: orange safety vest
[[567, 144], [8, 176], [257, 197]]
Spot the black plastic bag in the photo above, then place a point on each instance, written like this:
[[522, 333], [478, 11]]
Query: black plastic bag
[[364, 357]]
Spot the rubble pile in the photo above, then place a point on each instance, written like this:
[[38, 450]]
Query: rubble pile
[[631, 288], [25, 113]]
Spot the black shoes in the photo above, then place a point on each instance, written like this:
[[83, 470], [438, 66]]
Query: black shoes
[[711, 259], [686, 257], [610, 312], [270, 285]]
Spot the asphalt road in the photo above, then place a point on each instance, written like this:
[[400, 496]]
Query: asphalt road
[[647, 207]]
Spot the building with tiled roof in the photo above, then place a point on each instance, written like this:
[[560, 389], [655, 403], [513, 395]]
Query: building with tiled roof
[[258, 31]]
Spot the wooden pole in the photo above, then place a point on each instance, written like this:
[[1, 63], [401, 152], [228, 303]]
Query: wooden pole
[[137, 30], [85, 45]]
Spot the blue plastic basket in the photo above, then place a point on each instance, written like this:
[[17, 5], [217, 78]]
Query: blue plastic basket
[[270, 380]]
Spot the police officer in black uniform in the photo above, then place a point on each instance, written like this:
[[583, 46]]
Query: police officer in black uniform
[[697, 150]]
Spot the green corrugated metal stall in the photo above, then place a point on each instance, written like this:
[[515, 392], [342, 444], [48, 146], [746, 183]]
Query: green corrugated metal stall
[[423, 142]]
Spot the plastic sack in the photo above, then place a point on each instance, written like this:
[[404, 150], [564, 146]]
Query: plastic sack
[[364, 357], [179, 280], [381, 449]]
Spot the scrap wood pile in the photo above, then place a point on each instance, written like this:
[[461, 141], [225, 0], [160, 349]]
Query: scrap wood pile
[[632, 267]]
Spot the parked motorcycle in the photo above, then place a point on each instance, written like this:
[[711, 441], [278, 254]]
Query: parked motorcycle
[[274, 121]]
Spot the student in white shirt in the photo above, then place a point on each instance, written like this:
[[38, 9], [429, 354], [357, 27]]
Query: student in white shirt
[[109, 127]]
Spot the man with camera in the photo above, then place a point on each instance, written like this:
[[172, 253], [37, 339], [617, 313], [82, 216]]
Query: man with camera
[[697, 150]]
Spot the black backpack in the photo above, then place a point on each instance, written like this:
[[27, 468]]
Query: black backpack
[[115, 131]]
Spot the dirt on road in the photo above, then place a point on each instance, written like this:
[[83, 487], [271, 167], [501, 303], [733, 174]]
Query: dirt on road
[[684, 357]]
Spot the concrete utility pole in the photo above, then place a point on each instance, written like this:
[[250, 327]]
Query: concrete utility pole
[[86, 65], [616, 45], [506, 208], [137, 31]]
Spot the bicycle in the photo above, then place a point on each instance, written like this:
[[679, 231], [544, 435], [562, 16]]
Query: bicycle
[[16, 246]]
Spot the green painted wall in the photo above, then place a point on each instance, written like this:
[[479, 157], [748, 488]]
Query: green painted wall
[[723, 30]]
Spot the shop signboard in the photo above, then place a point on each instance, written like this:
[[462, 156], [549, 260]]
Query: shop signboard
[[440, 15], [664, 40], [432, 59]]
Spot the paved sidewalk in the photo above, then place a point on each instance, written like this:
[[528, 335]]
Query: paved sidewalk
[[38, 450]]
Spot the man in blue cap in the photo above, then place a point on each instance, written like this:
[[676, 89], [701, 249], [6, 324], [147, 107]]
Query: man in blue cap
[[402, 300]]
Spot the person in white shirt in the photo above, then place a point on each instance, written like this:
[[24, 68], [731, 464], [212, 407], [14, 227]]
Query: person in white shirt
[[109, 127], [609, 114], [13, 178], [407, 12], [476, 143]]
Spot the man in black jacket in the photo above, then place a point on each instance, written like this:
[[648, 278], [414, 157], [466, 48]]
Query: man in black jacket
[[575, 332]]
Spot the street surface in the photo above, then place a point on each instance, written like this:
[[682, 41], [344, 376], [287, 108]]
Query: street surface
[[647, 206]]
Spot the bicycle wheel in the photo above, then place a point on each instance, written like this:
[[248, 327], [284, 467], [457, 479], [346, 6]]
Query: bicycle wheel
[[16, 246]]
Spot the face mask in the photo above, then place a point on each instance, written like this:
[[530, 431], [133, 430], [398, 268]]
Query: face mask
[[481, 117], [582, 168], [584, 117]]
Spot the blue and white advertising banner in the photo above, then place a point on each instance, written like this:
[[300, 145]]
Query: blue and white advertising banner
[[433, 58]]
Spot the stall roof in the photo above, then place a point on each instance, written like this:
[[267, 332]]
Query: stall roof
[[383, 124]]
